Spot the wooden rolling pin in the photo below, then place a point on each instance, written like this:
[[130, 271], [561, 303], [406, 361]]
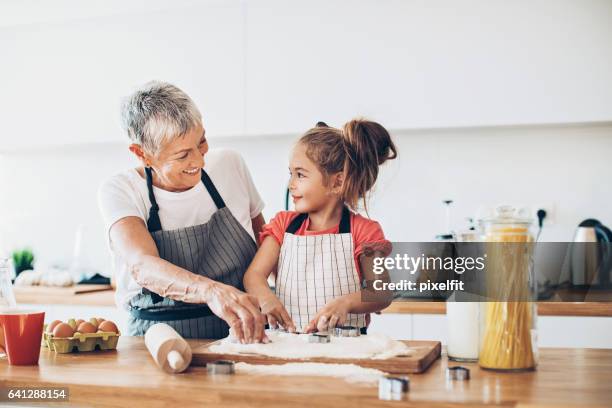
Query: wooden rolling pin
[[169, 350]]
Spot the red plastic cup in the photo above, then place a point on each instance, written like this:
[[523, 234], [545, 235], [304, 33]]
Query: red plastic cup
[[22, 330]]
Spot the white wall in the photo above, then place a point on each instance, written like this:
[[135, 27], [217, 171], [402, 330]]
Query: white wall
[[274, 66], [47, 193]]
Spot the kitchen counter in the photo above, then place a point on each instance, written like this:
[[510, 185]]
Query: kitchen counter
[[42, 295], [47, 296], [129, 377], [415, 306]]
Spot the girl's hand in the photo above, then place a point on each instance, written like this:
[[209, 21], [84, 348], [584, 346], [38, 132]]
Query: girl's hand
[[333, 314], [276, 313]]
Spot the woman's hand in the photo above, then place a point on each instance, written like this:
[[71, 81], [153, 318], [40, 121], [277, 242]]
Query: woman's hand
[[239, 310], [333, 314], [276, 313]]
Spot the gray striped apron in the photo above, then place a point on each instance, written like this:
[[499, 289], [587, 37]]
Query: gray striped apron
[[220, 249], [315, 269]]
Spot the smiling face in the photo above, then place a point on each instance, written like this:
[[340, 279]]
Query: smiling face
[[308, 187], [178, 164]]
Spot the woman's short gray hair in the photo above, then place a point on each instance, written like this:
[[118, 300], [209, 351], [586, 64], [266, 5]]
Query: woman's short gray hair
[[158, 112]]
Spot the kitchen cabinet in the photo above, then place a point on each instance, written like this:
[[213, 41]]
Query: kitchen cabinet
[[397, 326], [275, 67], [412, 64], [553, 331], [562, 331], [62, 81]]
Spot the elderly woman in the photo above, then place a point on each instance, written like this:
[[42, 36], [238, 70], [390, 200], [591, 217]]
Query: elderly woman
[[181, 227]]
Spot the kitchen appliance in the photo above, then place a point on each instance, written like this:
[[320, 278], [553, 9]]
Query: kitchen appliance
[[591, 256]]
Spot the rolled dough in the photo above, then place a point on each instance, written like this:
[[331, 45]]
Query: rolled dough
[[289, 345]]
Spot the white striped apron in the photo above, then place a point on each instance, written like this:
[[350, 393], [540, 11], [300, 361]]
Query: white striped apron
[[314, 269]]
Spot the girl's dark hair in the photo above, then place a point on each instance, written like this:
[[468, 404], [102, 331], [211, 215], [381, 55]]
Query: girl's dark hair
[[356, 151]]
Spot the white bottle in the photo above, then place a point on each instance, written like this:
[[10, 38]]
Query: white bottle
[[463, 330]]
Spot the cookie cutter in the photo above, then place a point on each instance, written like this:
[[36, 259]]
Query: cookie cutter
[[319, 338], [458, 373], [224, 367], [392, 388], [280, 329], [347, 331]]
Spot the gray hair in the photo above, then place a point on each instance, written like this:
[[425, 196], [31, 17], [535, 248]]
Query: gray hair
[[158, 112]]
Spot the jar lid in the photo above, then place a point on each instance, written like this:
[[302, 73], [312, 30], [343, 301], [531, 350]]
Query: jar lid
[[507, 214]]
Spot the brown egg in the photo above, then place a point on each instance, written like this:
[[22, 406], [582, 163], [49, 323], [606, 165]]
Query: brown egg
[[79, 321], [108, 326], [63, 330], [94, 321], [100, 320], [86, 327], [52, 325]]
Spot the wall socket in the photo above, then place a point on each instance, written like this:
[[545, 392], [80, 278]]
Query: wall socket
[[551, 213]]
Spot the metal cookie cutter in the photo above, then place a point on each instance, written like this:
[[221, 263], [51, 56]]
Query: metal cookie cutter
[[319, 338], [457, 373], [393, 388], [220, 367], [347, 331]]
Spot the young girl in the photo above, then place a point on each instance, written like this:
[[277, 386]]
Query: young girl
[[317, 251]]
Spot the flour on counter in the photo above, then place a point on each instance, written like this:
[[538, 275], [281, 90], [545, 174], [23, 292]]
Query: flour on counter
[[296, 346], [349, 372]]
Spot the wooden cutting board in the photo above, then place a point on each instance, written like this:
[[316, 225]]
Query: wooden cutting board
[[425, 353]]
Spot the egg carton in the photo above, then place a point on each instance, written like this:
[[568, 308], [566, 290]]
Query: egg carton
[[81, 342]]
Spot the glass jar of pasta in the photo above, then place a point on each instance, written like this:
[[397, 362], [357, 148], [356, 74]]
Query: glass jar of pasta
[[509, 340]]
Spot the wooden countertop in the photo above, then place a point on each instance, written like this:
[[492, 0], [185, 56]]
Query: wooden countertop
[[602, 309], [42, 295], [129, 377]]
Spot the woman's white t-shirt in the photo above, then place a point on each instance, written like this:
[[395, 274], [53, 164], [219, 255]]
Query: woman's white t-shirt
[[126, 195]]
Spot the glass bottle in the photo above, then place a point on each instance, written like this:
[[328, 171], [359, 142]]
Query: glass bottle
[[509, 322], [463, 318], [7, 297]]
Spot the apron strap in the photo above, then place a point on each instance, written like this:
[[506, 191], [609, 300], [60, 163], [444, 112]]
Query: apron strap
[[296, 223], [345, 221], [344, 227], [153, 223], [212, 190]]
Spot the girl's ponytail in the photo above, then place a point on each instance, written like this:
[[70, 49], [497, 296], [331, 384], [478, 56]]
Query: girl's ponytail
[[367, 145]]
